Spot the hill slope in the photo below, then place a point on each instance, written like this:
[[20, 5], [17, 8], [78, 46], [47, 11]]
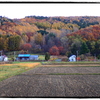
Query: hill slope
[[40, 34]]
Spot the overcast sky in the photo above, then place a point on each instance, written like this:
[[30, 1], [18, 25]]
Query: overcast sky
[[22, 10]]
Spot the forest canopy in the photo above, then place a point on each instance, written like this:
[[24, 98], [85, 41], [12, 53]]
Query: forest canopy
[[56, 35]]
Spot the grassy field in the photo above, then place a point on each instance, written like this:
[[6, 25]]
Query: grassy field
[[8, 70]]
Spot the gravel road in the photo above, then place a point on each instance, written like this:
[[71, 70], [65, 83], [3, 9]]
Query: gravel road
[[39, 82]]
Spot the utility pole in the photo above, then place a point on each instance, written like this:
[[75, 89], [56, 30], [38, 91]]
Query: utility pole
[[95, 56], [77, 54], [14, 55], [1, 52]]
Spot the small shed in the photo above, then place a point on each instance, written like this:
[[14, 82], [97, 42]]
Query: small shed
[[72, 58], [34, 57], [23, 56]]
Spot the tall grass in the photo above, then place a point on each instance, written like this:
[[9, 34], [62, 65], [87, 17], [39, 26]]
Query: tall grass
[[15, 69]]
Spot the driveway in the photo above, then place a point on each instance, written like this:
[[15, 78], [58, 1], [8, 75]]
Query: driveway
[[53, 82]]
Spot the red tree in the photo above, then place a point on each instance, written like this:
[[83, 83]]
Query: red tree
[[60, 49], [54, 50], [26, 46]]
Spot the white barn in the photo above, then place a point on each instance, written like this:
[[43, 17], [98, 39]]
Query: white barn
[[72, 58]]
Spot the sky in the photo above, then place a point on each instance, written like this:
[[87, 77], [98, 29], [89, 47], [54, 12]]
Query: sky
[[21, 10]]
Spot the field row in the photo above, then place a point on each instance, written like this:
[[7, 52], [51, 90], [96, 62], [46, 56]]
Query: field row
[[8, 70], [53, 82]]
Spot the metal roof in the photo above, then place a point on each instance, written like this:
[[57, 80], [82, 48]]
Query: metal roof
[[34, 56], [24, 55]]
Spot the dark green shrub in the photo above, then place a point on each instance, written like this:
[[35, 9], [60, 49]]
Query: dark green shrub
[[47, 56], [12, 58], [98, 56]]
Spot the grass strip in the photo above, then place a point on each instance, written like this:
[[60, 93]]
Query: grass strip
[[65, 63], [73, 74], [12, 70], [68, 66], [18, 62], [66, 74]]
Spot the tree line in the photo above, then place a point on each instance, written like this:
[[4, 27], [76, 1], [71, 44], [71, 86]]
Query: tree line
[[56, 35]]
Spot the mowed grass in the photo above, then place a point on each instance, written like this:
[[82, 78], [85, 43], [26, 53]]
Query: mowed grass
[[8, 70]]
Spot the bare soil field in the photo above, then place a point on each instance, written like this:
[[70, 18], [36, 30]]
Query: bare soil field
[[53, 82], [56, 70]]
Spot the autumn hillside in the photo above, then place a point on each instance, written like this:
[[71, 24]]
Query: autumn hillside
[[56, 35]]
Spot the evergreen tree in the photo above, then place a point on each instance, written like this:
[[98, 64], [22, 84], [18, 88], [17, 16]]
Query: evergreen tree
[[74, 49], [76, 45], [97, 48], [84, 48], [47, 56]]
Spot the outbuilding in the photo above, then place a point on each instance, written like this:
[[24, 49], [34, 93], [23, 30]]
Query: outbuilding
[[23, 56], [34, 57], [72, 58], [27, 57]]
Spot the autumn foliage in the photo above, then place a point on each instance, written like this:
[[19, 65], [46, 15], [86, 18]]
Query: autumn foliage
[[54, 50], [60, 48], [26, 46], [90, 33], [56, 35]]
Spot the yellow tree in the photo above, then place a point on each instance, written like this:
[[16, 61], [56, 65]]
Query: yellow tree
[[25, 38], [38, 39], [3, 43]]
